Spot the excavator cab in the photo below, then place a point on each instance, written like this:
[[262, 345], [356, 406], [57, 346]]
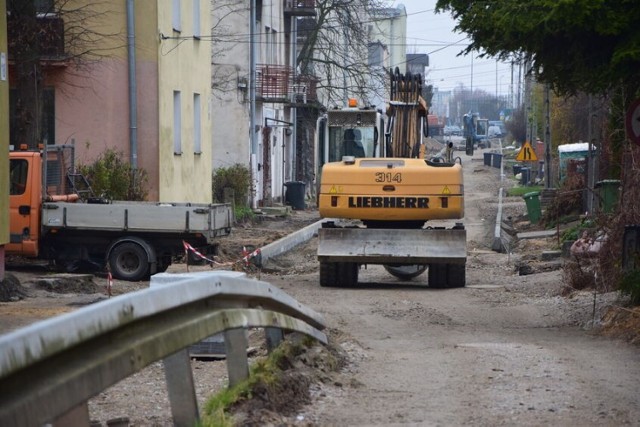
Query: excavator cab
[[349, 132]]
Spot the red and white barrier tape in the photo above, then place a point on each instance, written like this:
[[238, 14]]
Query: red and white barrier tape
[[188, 247], [246, 255], [109, 283]]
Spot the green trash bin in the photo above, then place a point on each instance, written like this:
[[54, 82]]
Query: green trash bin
[[608, 192], [533, 206]]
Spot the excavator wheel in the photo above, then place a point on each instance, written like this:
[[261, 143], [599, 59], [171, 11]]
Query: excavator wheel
[[328, 274], [447, 276], [405, 272], [338, 274], [456, 275], [347, 274], [438, 276]]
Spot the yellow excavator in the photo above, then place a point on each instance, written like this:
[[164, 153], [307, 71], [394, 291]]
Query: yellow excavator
[[386, 200]]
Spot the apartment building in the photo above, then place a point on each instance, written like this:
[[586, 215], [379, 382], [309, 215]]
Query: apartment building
[[140, 86]]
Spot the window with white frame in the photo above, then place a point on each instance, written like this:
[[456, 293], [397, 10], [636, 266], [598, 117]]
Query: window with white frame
[[176, 18], [197, 124], [196, 19], [177, 123]]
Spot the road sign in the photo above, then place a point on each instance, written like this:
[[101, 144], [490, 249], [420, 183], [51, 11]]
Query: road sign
[[527, 153], [632, 120]]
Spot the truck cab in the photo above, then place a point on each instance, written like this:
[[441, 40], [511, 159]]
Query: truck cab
[[24, 202]]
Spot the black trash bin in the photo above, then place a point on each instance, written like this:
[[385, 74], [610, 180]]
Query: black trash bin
[[487, 159], [525, 176], [496, 162], [516, 169], [294, 195]]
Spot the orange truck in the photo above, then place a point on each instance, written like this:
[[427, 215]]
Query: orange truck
[[52, 217]]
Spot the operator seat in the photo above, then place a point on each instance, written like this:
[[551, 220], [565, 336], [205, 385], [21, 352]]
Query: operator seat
[[353, 143]]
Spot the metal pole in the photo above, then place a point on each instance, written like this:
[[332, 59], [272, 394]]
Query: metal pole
[[252, 97], [590, 160], [133, 87], [547, 138], [294, 111]]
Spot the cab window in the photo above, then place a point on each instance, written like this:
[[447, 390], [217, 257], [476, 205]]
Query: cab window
[[18, 169]]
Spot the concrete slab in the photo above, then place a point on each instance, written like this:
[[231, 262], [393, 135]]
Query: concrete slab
[[288, 242], [541, 234]]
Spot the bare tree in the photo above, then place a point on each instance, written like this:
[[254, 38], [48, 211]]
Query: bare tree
[[334, 46], [224, 41], [41, 33]]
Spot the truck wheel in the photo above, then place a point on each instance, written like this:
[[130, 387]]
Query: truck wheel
[[328, 274], [405, 272], [438, 276], [128, 261], [347, 273]]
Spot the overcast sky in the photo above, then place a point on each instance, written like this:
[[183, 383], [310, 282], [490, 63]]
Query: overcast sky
[[433, 34]]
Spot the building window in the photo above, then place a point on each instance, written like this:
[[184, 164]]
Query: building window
[[376, 54], [270, 38], [196, 19], [176, 18], [47, 119], [197, 123], [177, 123]]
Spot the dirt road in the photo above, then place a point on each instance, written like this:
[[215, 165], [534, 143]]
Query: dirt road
[[505, 350]]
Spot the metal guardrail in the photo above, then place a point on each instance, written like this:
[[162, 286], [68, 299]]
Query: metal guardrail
[[50, 369]]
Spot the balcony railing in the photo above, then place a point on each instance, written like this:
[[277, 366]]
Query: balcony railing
[[277, 83], [300, 8], [50, 37]]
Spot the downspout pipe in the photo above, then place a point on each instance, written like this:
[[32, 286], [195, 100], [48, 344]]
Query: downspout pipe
[[133, 86], [252, 96]]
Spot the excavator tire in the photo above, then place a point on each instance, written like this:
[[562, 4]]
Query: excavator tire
[[338, 274], [438, 276], [456, 275], [328, 274], [445, 276], [405, 272], [347, 274]]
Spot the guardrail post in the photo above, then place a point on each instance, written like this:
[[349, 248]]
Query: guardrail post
[[181, 388], [235, 342], [274, 336]]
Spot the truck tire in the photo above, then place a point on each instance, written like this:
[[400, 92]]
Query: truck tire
[[347, 274], [129, 261], [328, 274], [405, 272]]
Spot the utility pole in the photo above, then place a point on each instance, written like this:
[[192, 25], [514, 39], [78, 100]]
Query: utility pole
[[591, 160], [547, 138]]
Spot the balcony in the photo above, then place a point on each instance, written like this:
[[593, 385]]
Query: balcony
[[49, 31], [300, 8], [277, 83]]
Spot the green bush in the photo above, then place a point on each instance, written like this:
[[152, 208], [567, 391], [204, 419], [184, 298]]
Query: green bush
[[521, 191], [112, 177], [243, 213], [237, 178], [575, 232]]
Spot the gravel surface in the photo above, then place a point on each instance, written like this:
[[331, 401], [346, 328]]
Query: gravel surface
[[505, 350]]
